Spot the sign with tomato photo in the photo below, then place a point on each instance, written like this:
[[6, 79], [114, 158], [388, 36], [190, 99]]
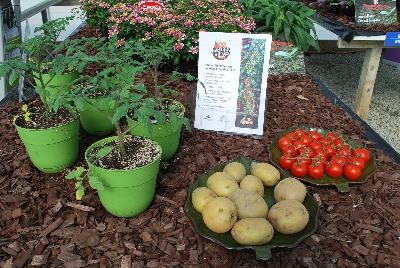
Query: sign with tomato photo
[[376, 12], [233, 72]]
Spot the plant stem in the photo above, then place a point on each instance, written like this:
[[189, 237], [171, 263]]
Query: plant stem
[[120, 140]]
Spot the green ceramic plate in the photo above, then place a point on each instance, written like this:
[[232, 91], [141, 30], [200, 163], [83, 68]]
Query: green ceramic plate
[[341, 183], [279, 240]]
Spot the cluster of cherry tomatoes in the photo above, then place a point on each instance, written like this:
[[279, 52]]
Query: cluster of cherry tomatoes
[[309, 153]]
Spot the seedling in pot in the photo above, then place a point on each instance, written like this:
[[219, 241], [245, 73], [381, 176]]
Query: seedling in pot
[[44, 60]]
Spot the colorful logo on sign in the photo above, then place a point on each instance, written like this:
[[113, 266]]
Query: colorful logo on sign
[[392, 39], [151, 6], [221, 51]]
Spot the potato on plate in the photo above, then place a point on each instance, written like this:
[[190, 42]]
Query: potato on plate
[[253, 184], [222, 183], [267, 173], [252, 231], [288, 216], [236, 170], [249, 204], [219, 214], [201, 196], [290, 189]]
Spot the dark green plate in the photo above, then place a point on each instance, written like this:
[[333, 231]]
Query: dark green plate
[[279, 240], [341, 183]]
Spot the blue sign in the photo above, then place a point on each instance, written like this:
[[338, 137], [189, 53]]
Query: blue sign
[[392, 39]]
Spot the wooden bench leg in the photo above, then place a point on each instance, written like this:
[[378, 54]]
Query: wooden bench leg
[[367, 81]]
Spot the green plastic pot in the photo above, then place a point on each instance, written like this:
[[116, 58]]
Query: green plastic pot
[[60, 84], [126, 192], [53, 149], [96, 118], [167, 134]]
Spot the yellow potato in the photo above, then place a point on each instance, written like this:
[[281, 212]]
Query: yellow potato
[[249, 204], [219, 214], [236, 170], [290, 189], [288, 216], [201, 196], [222, 183], [252, 231], [253, 184], [267, 173]]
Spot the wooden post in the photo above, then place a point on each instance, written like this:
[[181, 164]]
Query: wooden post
[[2, 80], [367, 81]]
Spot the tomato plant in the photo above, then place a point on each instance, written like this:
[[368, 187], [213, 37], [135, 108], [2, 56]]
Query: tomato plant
[[352, 172]]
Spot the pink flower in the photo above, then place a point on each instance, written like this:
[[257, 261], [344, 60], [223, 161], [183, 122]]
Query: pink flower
[[178, 46], [194, 50], [120, 42]]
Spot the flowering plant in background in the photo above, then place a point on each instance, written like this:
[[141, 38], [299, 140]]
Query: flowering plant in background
[[180, 21]]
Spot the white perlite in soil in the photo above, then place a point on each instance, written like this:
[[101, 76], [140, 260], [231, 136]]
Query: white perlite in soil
[[140, 152]]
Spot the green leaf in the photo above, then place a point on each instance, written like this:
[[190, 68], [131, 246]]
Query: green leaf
[[104, 151], [77, 173], [95, 183], [80, 191]]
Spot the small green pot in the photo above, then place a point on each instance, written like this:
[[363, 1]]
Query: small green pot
[[167, 134], [59, 84], [126, 192], [95, 118], [53, 149]]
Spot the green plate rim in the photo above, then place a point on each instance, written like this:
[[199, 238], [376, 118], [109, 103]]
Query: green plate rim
[[341, 187], [263, 252]]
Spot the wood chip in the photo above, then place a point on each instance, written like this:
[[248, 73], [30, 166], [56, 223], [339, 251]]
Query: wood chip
[[126, 261], [80, 207], [370, 227], [53, 226]]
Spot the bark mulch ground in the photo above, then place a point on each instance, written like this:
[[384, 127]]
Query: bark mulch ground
[[41, 223], [349, 22]]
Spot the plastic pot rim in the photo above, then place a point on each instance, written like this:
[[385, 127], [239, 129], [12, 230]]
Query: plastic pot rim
[[112, 138]]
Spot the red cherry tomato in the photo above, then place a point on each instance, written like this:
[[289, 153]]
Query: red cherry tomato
[[284, 141], [298, 170], [315, 145], [298, 143], [292, 136], [306, 152], [352, 172], [344, 151], [315, 171], [299, 132], [289, 150], [314, 135], [342, 160], [305, 161], [324, 141], [329, 150], [331, 136], [358, 162], [334, 170], [286, 163], [338, 143], [319, 163], [363, 154], [305, 139]]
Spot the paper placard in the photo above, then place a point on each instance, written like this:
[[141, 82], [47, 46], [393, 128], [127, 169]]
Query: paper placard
[[376, 12], [234, 69]]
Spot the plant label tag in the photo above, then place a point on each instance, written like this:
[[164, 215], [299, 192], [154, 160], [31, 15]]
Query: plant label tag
[[376, 12], [233, 72], [392, 39]]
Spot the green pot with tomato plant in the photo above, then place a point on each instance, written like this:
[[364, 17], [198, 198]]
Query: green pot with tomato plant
[[95, 116], [166, 134], [52, 149], [124, 192]]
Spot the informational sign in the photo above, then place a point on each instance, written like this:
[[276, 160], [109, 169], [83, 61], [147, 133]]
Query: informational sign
[[376, 12], [233, 72], [392, 39]]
